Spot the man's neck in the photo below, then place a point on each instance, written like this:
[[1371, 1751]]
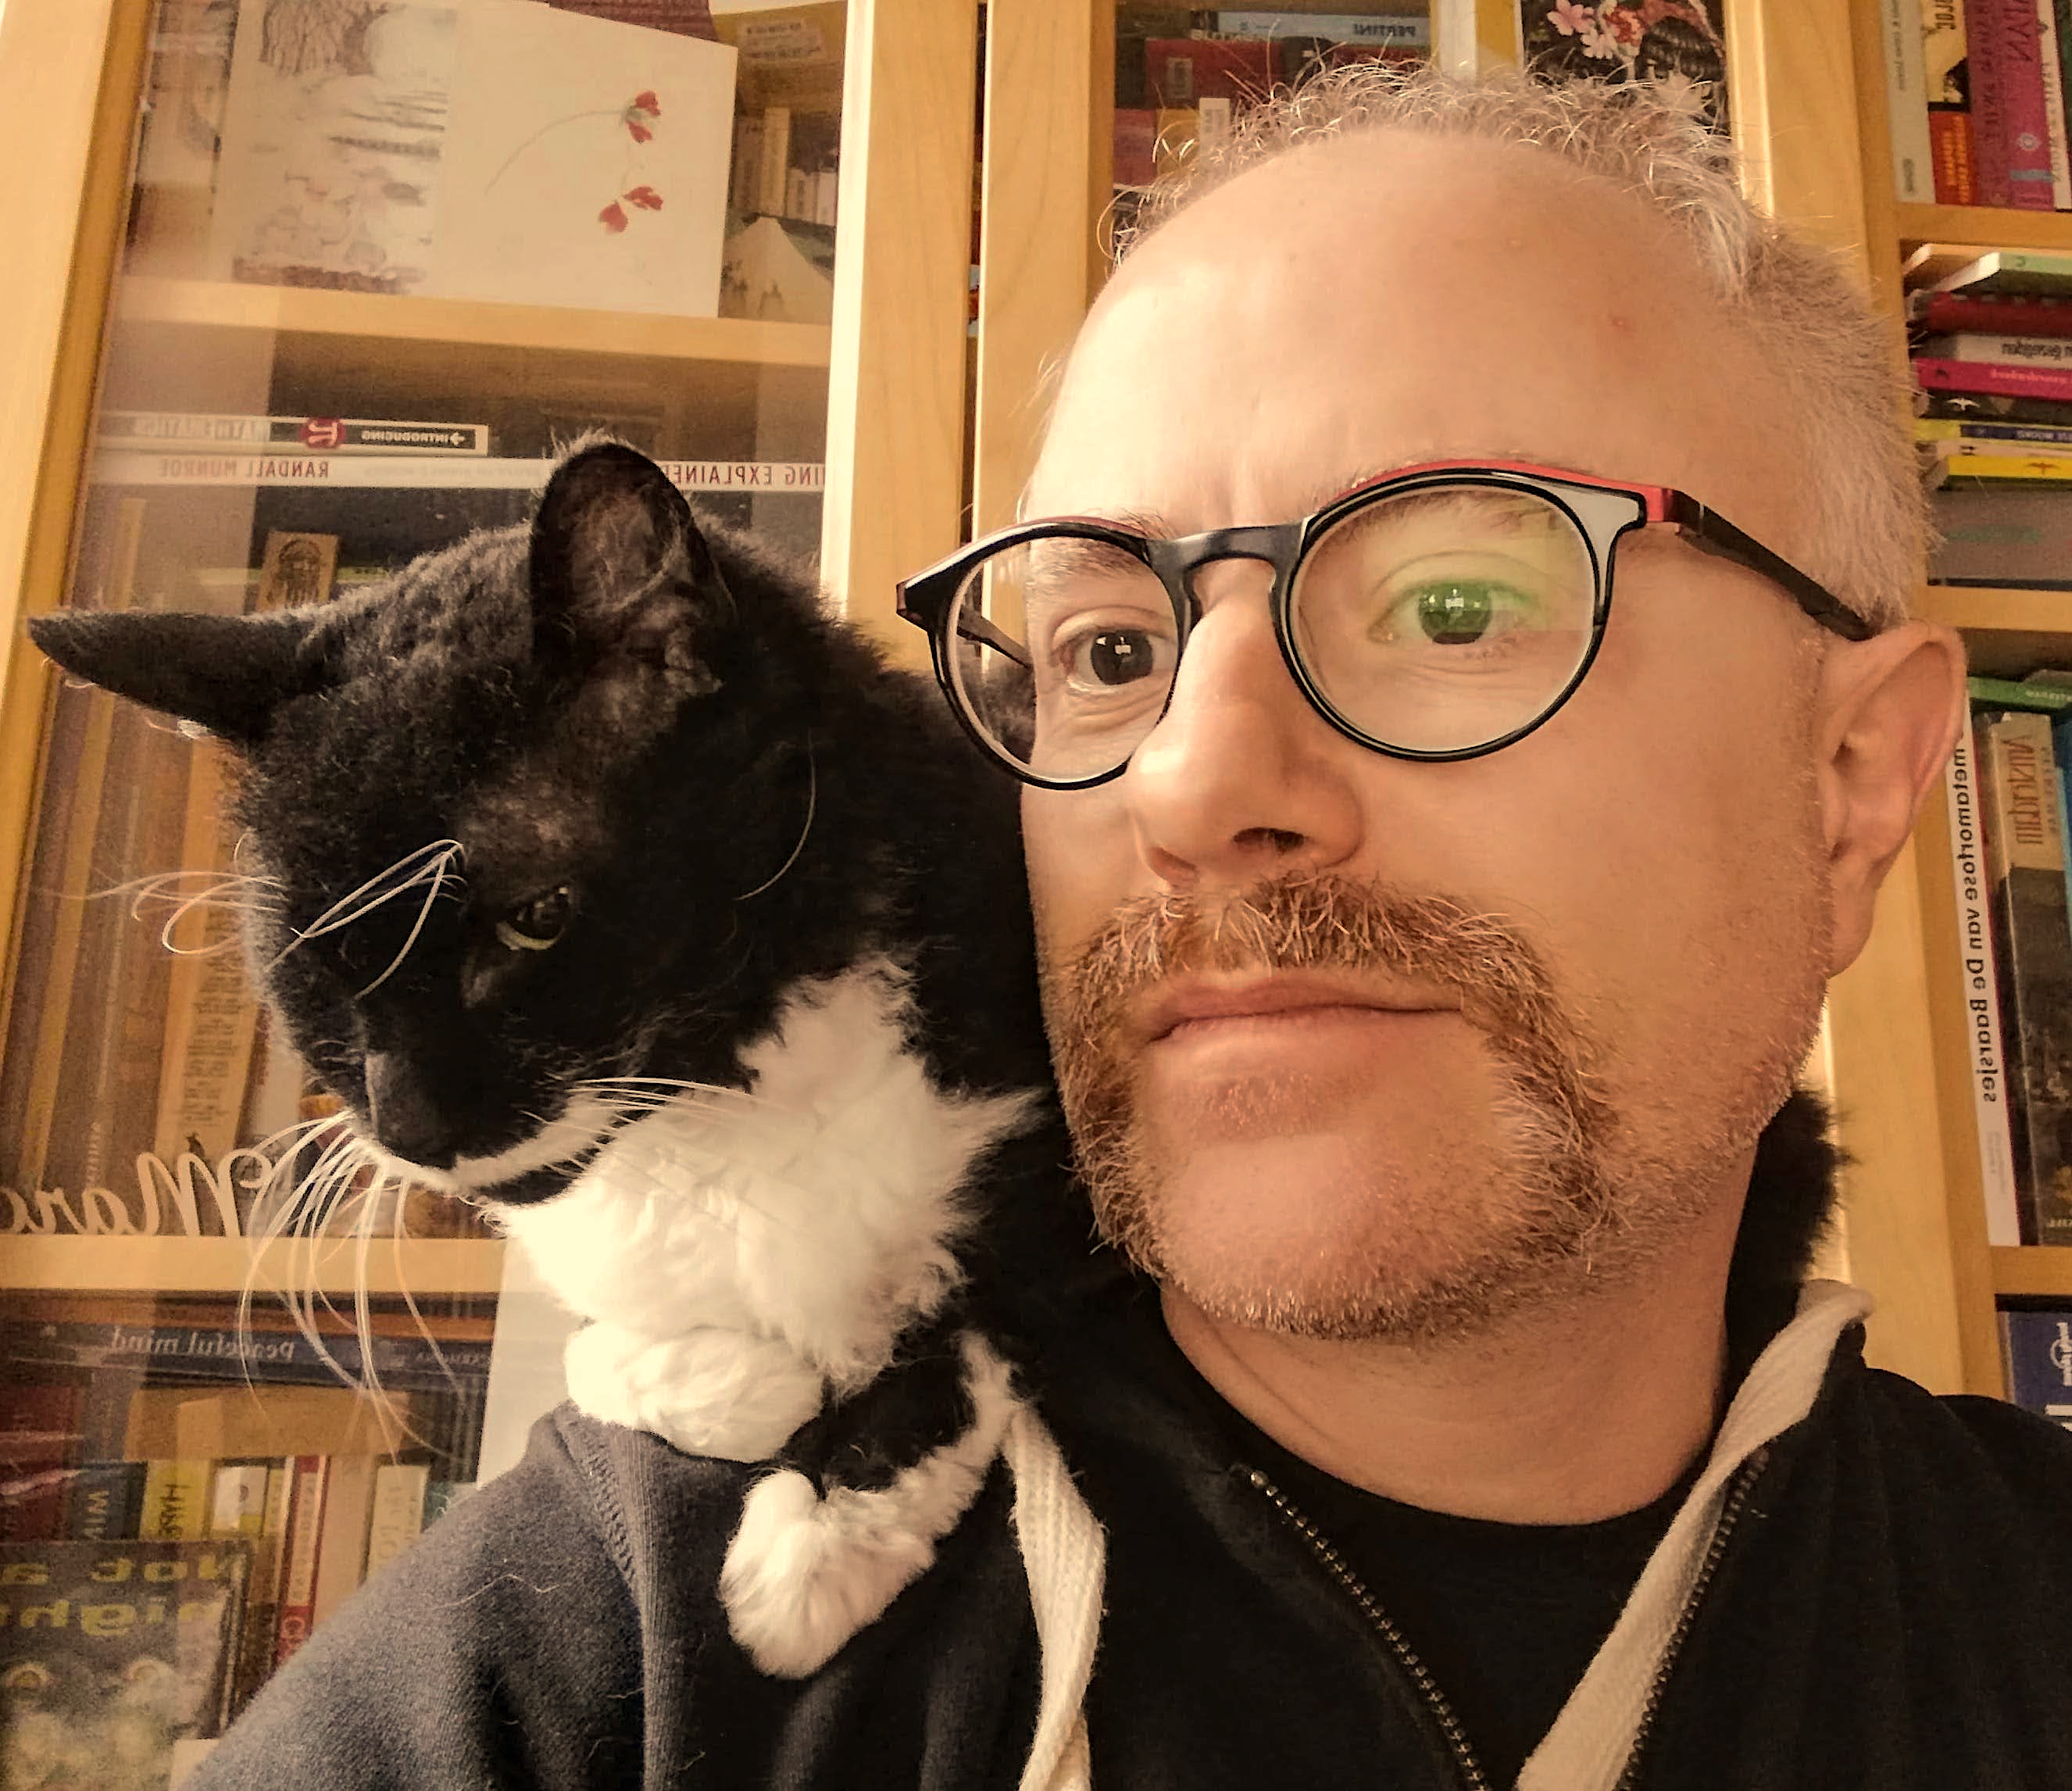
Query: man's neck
[[1558, 1416]]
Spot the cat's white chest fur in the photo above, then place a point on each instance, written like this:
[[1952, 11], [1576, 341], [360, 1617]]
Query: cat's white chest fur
[[740, 1256]]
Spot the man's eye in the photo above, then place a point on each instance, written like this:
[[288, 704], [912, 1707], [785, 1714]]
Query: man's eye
[[538, 924], [1109, 658], [1456, 613]]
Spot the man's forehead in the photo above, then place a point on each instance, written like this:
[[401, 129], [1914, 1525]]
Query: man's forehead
[[1361, 305]]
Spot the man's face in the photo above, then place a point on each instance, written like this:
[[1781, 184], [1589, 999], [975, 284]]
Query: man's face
[[1359, 1046]]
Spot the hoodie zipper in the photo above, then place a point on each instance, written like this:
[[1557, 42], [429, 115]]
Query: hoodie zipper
[[1470, 1769]]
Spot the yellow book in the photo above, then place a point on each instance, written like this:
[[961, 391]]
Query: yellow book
[[176, 1502]]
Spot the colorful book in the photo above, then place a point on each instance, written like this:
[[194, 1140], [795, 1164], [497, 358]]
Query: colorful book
[[298, 434], [2032, 927], [1406, 32], [1979, 992], [1992, 407], [1997, 462], [1946, 81], [85, 1626], [1965, 428], [311, 1474], [398, 1516], [255, 1506], [2007, 693], [175, 1506], [2050, 69], [2012, 140], [1959, 313], [2039, 1361], [106, 1501], [1937, 374]]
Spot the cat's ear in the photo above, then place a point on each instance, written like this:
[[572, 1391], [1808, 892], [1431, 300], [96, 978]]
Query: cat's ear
[[620, 571], [227, 674]]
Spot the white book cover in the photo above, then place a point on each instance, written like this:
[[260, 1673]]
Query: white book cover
[[1981, 992], [475, 148], [1906, 101], [429, 472]]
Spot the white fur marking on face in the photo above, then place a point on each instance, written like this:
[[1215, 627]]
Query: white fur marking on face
[[803, 1575], [582, 1125], [820, 1211]]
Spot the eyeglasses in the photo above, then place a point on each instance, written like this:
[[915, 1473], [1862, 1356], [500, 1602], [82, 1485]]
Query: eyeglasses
[[1439, 612]]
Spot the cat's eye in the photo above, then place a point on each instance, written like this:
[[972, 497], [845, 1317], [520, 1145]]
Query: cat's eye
[[535, 925]]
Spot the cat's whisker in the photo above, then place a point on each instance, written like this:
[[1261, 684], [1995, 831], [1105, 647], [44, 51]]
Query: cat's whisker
[[439, 869], [813, 802], [431, 862]]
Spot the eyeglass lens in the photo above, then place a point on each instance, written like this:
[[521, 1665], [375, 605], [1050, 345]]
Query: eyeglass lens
[[1433, 620]]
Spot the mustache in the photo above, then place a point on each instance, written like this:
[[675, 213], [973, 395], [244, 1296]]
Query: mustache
[[1309, 923]]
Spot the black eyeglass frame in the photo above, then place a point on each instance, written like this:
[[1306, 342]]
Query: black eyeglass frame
[[926, 598]]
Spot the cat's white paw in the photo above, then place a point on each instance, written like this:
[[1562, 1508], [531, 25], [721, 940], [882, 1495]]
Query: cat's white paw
[[804, 1574], [710, 1392]]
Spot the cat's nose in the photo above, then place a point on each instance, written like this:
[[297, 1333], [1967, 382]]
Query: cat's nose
[[403, 1119]]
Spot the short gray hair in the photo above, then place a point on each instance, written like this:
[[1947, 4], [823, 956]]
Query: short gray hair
[[1817, 329]]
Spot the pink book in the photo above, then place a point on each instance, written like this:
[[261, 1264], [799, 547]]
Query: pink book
[[2008, 379], [2011, 142]]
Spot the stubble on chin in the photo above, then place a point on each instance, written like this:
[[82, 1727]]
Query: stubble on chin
[[1428, 1258]]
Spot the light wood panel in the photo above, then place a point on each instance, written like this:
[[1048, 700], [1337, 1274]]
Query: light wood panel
[[70, 70], [1987, 226], [1038, 253], [228, 1265], [471, 324], [896, 375], [2034, 1270]]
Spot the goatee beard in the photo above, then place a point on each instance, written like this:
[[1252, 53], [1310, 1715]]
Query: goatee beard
[[1560, 1211]]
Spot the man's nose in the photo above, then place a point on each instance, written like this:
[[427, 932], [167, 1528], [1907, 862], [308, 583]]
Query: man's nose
[[1241, 779]]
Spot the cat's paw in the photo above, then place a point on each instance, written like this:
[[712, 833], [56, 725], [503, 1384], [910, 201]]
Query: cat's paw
[[804, 1573], [709, 1392]]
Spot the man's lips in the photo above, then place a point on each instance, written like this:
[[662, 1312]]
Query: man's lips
[[1187, 1000]]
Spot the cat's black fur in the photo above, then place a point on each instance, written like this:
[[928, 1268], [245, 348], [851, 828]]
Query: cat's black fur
[[735, 789]]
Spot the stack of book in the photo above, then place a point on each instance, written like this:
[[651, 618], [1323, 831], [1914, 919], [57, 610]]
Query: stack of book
[[2005, 787], [2038, 1344], [125, 1425], [1977, 91], [1182, 73], [1991, 336]]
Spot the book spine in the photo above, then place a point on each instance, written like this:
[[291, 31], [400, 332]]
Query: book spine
[[296, 435], [1952, 429], [286, 1356], [1913, 159], [2007, 30], [1952, 157], [299, 1567], [1985, 376], [1973, 346], [775, 152], [268, 1528], [116, 467], [2049, 67], [1976, 460], [107, 1499], [1980, 994], [1985, 30], [2033, 929], [1945, 83], [399, 1512], [176, 1501], [1955, 314], [341, 1550], [2039, 1358]]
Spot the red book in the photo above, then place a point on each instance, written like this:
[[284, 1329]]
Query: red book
[[298, 1555], [2011, 143], [2009, 380], [1949, 153], [1953, 313]]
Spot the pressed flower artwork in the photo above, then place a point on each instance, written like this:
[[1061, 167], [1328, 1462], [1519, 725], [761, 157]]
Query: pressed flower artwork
[[1669, 40]]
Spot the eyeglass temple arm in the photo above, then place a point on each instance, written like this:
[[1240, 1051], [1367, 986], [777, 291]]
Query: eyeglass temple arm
[[973, 627], [1710, 532]]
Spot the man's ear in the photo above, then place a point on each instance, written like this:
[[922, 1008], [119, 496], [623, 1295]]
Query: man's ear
[[1891, 709]]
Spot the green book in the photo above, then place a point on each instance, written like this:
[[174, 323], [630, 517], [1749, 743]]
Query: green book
[[2011, 270], [2003, 693]]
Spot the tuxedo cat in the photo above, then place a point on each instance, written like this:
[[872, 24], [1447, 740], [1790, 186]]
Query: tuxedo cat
[[611, 884]]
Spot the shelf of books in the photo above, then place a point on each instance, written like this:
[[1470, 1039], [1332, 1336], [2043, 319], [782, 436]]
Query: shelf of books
[[378, 266], [1969, 200]]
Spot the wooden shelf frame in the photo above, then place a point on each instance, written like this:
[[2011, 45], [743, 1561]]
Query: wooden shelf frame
[[1983, 226], [422, 1266], [467, 323]]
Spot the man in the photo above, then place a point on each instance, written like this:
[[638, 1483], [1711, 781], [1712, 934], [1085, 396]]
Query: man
[[1435, 904]]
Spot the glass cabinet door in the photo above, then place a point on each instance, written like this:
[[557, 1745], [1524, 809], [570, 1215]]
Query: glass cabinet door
[[381, 261]]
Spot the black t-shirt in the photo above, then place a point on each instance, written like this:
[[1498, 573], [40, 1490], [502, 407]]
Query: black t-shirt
[[1507, 1617]]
